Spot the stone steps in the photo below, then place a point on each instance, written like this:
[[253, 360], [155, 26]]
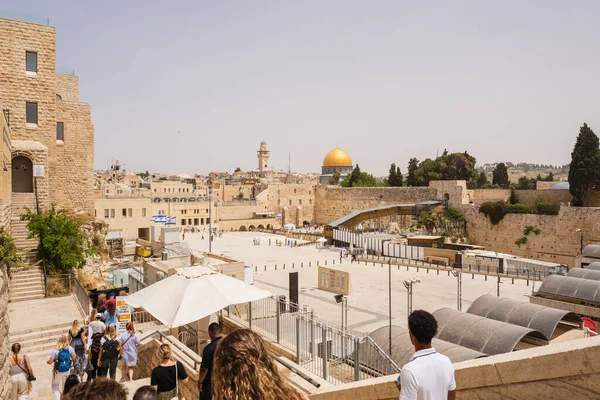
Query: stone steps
[[27, 284], [16, 298], [40, 337]]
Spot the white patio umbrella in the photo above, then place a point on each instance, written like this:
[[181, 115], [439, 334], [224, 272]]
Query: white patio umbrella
[[192, 294], [321, 240]]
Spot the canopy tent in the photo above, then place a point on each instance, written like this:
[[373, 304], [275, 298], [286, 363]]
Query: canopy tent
[[192, 294], [322, 240]]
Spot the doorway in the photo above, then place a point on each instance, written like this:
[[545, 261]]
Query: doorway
[[22, 175]]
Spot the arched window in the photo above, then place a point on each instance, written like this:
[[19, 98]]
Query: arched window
[[58, 97]]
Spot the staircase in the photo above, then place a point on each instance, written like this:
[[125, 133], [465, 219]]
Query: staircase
[[26, 248], [26, 284], [39, 341]]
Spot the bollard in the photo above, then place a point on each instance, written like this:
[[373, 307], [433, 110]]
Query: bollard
[[255, 269], [513, 281], [427, 270], [292, 265], [325, 262], [301, 265], [283, 266], [398, 267], [317, 263], [448, 273], [309, 263], [472, 276], [407, 268], [486, 277], [438, 271], [417, 268], [275, 267], [265, 267], [333, 262]]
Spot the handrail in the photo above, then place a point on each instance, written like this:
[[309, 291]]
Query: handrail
[[184, 350], [295, 370], [45, 281], [382, 353]]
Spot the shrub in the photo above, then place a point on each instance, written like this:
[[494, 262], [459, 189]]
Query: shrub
[[8, 250], [545, 208], [519, 209], [62, 242], [452, 214], [494, 210]]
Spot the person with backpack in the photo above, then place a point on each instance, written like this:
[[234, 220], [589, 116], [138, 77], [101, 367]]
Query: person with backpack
[[61, 357], [109, 353], [111, 315], [94, 355], [77, 340]]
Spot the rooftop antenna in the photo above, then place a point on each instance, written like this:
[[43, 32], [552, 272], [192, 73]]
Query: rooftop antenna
[[289, 163]]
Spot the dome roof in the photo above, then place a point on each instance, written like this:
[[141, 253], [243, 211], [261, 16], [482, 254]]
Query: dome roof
[[337, 158]]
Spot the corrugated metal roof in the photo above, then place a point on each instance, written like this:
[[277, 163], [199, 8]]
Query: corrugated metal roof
[[528, 315], [584, 273], [595, 265], [570, 288], [480, 334], [403, 349], [592, 251]]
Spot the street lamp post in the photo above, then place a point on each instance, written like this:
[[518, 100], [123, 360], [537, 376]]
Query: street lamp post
[[458, 276], [408, 284], [390, 304], [210, 219]]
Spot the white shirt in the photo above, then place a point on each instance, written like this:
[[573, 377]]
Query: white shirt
[[94, 327], [427, 376]]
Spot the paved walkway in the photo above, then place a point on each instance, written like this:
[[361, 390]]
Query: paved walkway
[[32, 314]]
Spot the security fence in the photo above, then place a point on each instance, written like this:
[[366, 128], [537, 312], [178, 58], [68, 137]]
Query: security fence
[[331, 352]]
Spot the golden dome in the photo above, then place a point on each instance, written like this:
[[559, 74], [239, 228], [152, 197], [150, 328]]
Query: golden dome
[[337, 158]]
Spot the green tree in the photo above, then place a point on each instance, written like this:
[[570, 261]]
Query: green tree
[[500, 176], [584, 171], [335, 179], [395, 176], [482, 181], [427, 220], [354, 176], [237, 169], [413, 165], [62, 242], [8, 250], [525, 183], [513, 197]]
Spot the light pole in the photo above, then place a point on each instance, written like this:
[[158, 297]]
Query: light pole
[[390, 304], [498, 286], [458, 276], [580, 240], [408, 284]]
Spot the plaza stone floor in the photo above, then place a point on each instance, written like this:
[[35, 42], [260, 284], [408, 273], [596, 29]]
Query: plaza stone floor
[[368, 301]]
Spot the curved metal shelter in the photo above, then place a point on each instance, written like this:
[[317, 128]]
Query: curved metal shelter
[[585, 273], [528, 315], [571, 289], [595, 265], [482, 334], [403, 349], [591, 250]]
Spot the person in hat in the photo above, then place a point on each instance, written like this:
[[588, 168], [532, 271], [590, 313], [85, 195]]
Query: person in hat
[[95, 333]]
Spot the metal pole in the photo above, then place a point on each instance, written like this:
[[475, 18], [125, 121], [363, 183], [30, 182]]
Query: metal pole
[[390, 307], [278, 319], [313, 342], [298, 356], [410, 293], [581, 244], [250, 314], [210, 219], [324, 354], [357, 360], [498, 287], [459, 291]]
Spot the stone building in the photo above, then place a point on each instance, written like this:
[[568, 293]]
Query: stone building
[[336, 160], [5, 172], [52, 147]]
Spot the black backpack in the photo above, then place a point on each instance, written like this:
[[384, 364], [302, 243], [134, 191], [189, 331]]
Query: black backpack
[[96, 338], [110, 349]]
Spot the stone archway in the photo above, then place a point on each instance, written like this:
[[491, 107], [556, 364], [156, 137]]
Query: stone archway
[[243, 228], [261, 227], [22, 174]]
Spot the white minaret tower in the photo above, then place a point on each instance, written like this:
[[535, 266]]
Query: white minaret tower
[[263, 157]]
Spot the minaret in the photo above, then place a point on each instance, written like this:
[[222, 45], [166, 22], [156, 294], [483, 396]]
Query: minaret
[[263, 157]]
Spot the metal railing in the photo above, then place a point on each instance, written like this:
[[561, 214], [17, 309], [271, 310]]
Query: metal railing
[[58, 285], [196, 359], [331, 352], [81, 296], [145, 321]]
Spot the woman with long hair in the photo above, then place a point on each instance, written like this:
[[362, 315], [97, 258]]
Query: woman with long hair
[[20, 368], [62, 358], [109, 353], [166, 377], [70, 383], [77, 340], [129, 341], [244, 370]]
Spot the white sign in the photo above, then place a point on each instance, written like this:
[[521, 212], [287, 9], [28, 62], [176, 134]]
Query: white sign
[[125, 311], [38, 170]]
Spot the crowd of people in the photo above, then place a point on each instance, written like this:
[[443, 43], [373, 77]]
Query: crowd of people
[[235, 367]]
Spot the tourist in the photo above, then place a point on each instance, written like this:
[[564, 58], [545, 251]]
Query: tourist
[[97, 329], [129, 341], [99, 389], [145, 393], [244, 370], [109, 353], [77, 340], [71, 381], [111, 315], [206, 368], [183, 235], [101, 308], [341, 255], [166, 377], [61, 357], [428, 374], [20, 370]]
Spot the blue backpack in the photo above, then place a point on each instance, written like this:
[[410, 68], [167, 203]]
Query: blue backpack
[[63, 362]]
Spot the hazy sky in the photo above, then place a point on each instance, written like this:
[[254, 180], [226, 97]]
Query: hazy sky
[[384, 80]]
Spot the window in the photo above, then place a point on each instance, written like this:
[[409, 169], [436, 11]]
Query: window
[[300, 201], [112, 212], [60, 131], [129, 212], [310, 201], [31, 110], [106, 213], [294, 191], [31, 61], [124, 212], [290, 202], [58, 97], [310, 192], [143, 212], [278, 202]]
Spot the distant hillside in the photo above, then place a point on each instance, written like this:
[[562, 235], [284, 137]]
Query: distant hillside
[[516, 170]]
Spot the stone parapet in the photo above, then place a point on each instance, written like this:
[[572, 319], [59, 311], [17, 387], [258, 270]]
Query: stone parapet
[[5, 385]]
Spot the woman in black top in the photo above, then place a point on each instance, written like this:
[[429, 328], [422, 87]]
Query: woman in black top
[[77, 340], [164, 377]]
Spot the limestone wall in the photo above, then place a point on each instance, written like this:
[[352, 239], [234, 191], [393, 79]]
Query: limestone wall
[[296, 202], [116, 221], [478, 196], [72, 160], [558, 241], [332, 203], [569, 370], [67, 87], [530, 197], [5, 214], [5, 159], [5, 385]]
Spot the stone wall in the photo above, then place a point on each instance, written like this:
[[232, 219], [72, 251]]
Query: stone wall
[[5, 159], [296, 202], [332, 203], [5, 214], [67, 87], [558, 242], [530, 197], [5, 385], [479, 196], [72, 160], [38, 154], [569, 370]]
